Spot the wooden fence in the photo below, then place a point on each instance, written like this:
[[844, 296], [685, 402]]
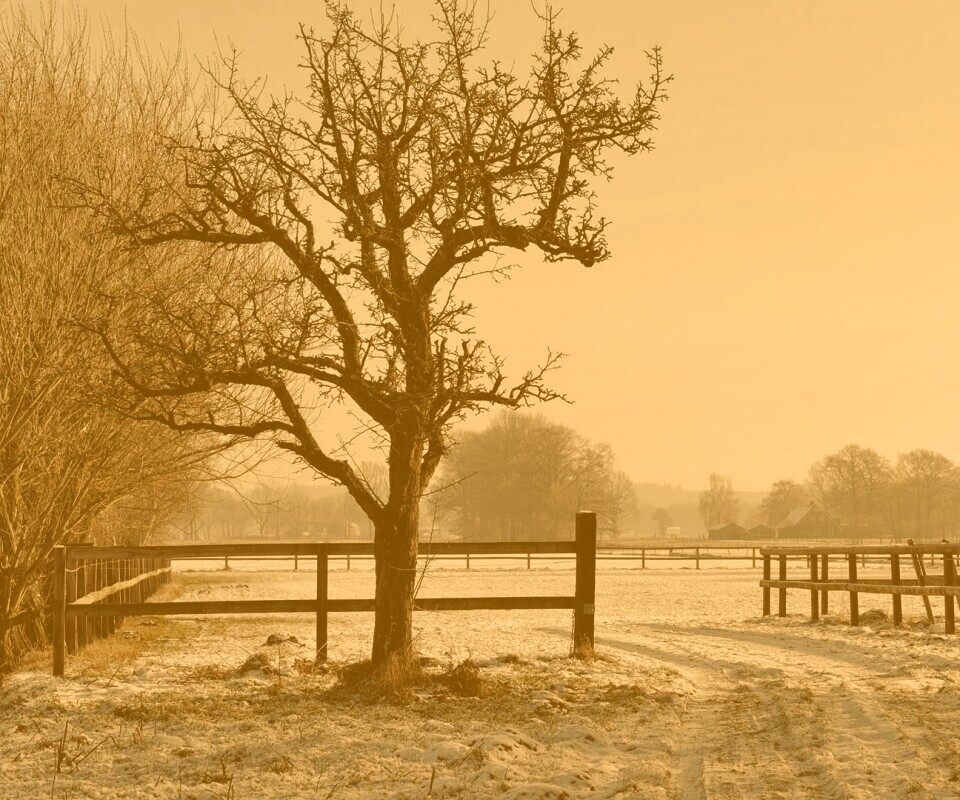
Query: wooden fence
[[817, 562], [110, 602], [85, 579]]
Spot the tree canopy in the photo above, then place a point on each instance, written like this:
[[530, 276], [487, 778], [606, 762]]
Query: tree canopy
[[400, 171]]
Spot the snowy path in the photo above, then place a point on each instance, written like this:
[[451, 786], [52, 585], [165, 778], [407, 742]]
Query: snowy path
[[693, 700], [793, 714]]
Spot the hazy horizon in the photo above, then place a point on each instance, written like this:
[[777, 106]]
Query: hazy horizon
[[783, 272]]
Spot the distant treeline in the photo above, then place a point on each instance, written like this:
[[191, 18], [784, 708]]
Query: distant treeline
[[917, 495]]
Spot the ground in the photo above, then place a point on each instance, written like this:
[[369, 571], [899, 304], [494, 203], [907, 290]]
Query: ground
[[694, 695]]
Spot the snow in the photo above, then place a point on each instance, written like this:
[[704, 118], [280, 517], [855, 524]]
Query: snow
[[693, 695]]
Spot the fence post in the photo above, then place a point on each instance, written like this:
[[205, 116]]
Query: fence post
[[60, 609], [753, 557], [110, 623], [766, 589], [895, 579], [696, 555], [854, 603], [70, 594], [98, 623], [82, 623], [949, 579], [643, 558], [814, 594], [586, 584], [321, 603], [782, 606], [528, 561], [824, 575], [468, 561]]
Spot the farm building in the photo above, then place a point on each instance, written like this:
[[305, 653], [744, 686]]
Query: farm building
[[729, 530], [761, 532], [808, 522]]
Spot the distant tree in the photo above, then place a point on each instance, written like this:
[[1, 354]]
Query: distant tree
[[924, 479], [663, 520], [852, 483], [523, 477], [718, 504], [617, 512], [266, 503], [378, 192], [784, 496]]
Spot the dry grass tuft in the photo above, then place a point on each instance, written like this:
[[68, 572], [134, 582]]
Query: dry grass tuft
[[310, 666], [464, 679], [256, 662], [583, 651], [393, 681], [209, 672], [874, 616]]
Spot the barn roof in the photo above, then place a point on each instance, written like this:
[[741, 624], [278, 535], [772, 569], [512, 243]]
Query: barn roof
[[798, 515], [726, 525]]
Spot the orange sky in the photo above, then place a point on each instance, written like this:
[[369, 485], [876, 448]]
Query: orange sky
[[785, 264]]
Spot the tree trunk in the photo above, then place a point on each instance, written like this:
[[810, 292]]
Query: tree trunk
[[395, 550]]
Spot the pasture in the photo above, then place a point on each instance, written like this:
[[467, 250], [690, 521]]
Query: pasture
[[693, 695]]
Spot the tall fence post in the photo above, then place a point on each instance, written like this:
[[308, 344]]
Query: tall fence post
[[766, 589], [782, 595], [321, 603], [814, 594], [83, 624], [895, 580], [949, 579], [824, 576], [852, 576], [59, 609], [70, 594], [586, 583]]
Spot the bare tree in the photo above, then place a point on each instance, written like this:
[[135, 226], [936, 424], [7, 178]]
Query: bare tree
[[69, 468], [523, 477], [924, 478], [784, 496], [378, 192], [718, 505], [662, 519], [852, 483], [618, 511]]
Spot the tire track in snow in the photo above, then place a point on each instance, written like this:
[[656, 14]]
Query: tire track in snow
[[782, 722]]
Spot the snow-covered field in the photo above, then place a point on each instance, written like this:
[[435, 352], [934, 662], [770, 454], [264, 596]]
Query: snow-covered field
[[694, 695]]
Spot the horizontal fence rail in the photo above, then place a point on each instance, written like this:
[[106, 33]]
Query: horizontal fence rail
[[520, 552], [657, 551], [103, 604], [819, 584]]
